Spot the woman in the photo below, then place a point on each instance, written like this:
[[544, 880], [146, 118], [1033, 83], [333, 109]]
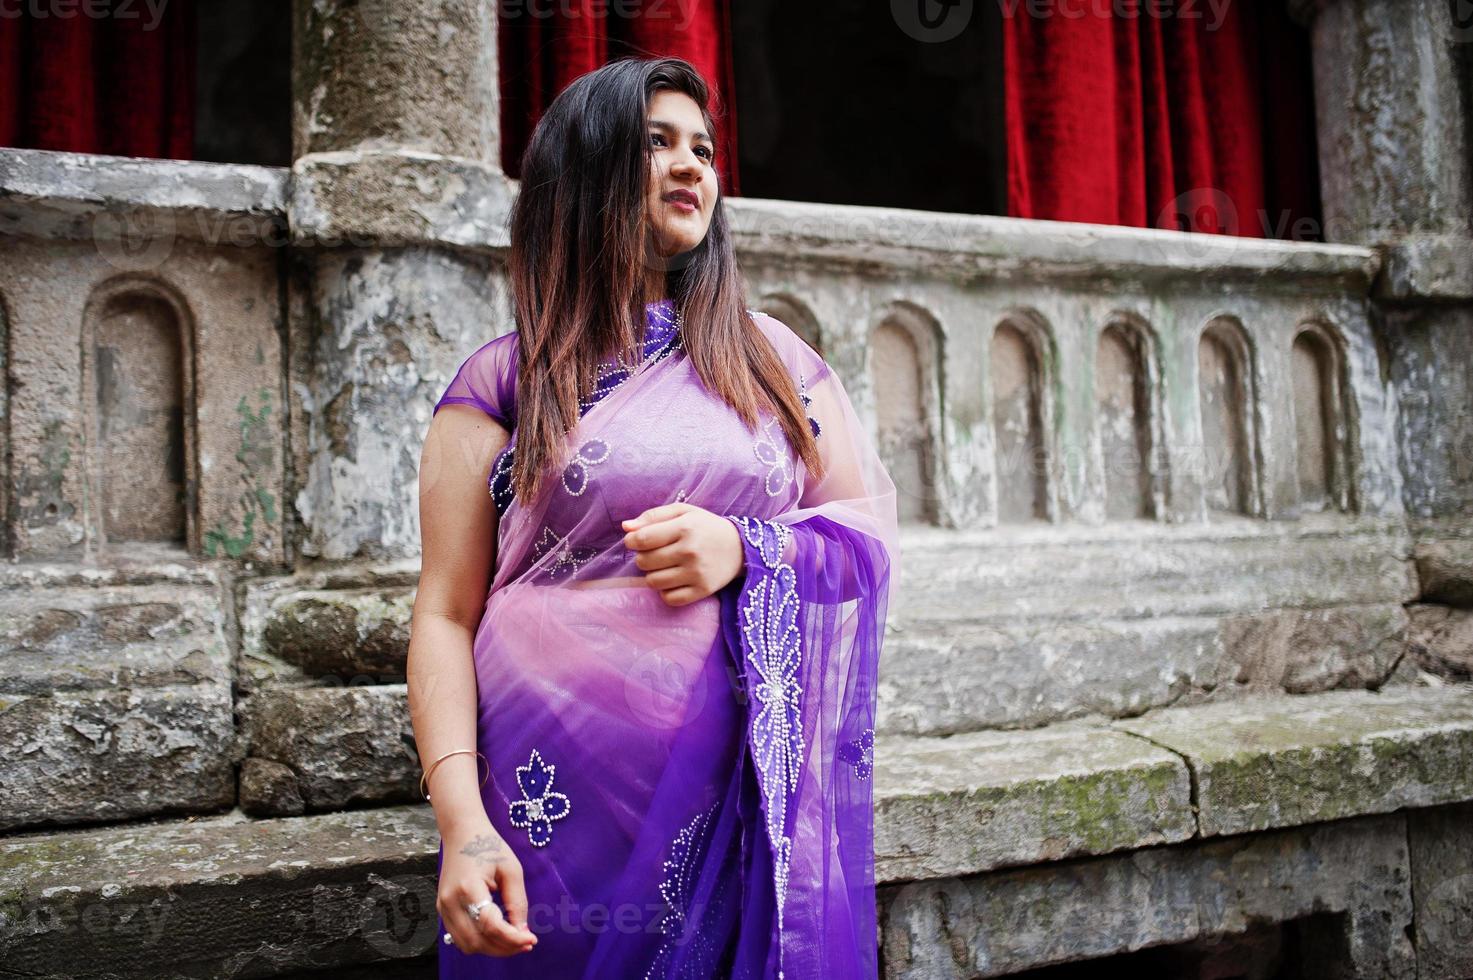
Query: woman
[[646, 714]]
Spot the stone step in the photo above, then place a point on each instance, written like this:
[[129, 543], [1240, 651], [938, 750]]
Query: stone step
[[323, 747], [231, 895], [1140, 569], [220, 896], [962, 804], [351, 625], [936, 679], [116, 699], [1261, 764]]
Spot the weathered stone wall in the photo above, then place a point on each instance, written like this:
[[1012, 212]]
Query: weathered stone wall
[[1153, 484], [143, 311]]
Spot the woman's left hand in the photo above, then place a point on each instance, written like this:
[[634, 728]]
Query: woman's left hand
[[686, 552]]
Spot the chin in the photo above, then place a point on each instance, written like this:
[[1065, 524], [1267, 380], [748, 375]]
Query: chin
[[675, 246]]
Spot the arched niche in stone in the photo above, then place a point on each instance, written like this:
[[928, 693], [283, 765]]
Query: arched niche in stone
[[138, 398], [1020, 366], [1321, 419], [796, 315], [1227, 405], [903, 367], [1127, 419]]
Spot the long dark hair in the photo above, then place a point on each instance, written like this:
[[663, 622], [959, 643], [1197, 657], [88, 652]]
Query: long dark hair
[[580, 248]]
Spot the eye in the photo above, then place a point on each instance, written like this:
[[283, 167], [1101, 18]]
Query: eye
[[700, 150]]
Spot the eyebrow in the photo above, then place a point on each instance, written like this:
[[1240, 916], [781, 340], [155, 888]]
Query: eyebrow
[[670, 127]]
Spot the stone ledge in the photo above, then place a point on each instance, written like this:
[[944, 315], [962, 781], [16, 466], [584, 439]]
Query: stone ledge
[[975, 246], [397, 198], [50, 194], [1427, 267], [966, 803], [143, 564], [1445, 571], [1265, 763], [349, 588], [222, 896], [335, 746], [405, 197], [939, 679]]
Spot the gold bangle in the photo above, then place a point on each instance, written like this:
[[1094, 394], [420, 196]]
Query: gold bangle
[[424, 779]]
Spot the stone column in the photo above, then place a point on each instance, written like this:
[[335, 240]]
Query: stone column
[[396, 209], [1393, 88], [1394, 101]]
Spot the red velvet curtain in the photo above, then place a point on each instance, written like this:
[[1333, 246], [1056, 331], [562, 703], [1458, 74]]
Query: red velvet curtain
[[544, 46], [1120, 116], [114, 84]]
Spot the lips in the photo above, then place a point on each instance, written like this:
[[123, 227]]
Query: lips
[[684, 197]]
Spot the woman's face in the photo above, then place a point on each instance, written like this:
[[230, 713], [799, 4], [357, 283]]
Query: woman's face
[[682, 189]]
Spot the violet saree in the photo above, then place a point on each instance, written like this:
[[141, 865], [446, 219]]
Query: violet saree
[[687, 788]]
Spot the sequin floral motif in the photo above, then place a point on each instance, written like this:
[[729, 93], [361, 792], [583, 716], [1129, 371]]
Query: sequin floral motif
[[662, 338], [568, 559], [807, 400], [682, 868], [577, 476], [860, 753], [770, 453], [540, 806], [772, 646], [501, 490]]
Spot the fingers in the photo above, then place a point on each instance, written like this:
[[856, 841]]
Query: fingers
[[514, 897], [673, 555], [684, 595], [491, 934], [500, 936], [669, 578], [464, 930], [657, 535], [656, 514]]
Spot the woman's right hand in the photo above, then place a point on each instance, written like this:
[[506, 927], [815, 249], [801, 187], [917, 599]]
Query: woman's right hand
[[476, 859]]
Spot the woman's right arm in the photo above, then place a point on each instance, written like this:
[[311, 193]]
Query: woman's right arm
[[458, 533]]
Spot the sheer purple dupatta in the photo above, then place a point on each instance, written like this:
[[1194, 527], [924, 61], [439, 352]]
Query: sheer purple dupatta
[[808, 617]]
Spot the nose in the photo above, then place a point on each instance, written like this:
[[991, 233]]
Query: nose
[[685, 162]]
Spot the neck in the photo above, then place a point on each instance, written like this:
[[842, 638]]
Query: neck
[[654, 286]]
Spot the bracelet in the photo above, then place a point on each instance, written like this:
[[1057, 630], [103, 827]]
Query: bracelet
[[424, 779]]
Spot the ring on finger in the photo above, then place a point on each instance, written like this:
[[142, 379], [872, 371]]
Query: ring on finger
[[475, 910]]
